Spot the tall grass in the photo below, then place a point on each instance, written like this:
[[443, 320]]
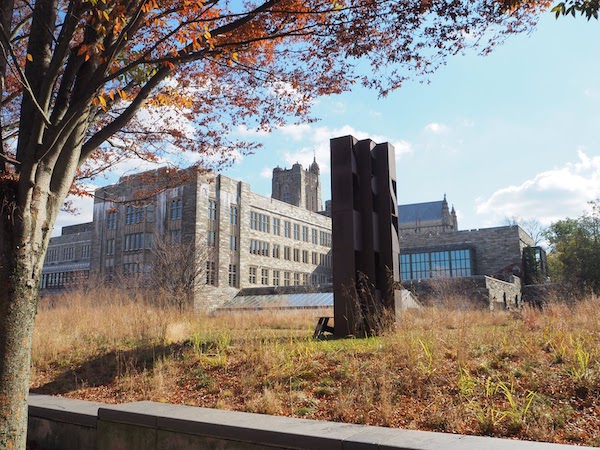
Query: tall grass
[[530, 374]]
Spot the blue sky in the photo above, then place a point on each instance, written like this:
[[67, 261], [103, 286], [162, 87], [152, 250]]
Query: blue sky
[[514, 133]]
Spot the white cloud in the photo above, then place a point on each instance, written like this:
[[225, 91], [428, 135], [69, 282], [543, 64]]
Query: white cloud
[[266, 173], [83, 211], [592, 93], [548, 196], [244, 131], [316, 143], [436, 128]]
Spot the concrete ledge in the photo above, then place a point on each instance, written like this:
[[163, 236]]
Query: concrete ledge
[[62, 423], [77, 412], [158, 426]]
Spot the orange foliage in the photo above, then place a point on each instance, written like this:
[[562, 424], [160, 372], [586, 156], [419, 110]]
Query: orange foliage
[[143, 73]]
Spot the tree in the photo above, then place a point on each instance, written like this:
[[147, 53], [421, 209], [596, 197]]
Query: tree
[[179, 270], [589, 8], [574, 250], [80, 79], [531, 226]]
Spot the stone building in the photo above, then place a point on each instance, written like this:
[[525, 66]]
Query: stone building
[[427, 218], [245, 241], [298, 187], [488, 262], [250, 240], [67, 260]]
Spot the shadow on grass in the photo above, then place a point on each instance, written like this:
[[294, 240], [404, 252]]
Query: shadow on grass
[[104, 369]]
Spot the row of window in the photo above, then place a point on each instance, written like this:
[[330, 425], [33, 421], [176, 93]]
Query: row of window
[[137, 241], [68, 253], [438, 264], [262, 248], [135, 214], [261, 275], [262, 222], [211, 274], [60, 280]]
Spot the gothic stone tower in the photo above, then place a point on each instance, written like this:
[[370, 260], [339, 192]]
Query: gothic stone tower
[[297, 186]]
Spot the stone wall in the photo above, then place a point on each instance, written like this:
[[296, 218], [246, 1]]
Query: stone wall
[[66, 424], [494, 248]]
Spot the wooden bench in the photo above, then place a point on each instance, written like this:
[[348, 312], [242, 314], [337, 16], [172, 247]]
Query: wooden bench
[[322, 327]]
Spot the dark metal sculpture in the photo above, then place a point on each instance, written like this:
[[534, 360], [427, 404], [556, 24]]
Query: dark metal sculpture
[[365, 235]]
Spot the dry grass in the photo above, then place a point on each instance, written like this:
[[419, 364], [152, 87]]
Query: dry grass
[[530, 374]]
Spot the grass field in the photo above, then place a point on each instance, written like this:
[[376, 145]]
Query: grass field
[[529, 374]]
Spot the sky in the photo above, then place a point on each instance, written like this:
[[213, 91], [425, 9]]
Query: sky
[[515, 134]]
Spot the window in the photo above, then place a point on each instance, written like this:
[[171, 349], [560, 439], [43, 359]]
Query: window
[[233, 243], [233, 214], [286, 278], [150, 213], [131, 268], [325, 238], [296, 279], [68, 253], [315, 258], [111, 220], [212, 210], [436, 264], [276, 251], [297, 255], [263, 223], [85, 251], [296, 231], [211, 278], [314, 236], [304, 233], [287, 253], [314, 279], [134, 241], [176, 209], [287, 229], [276, 278], [259, 247], [133, 215], [52, 255], [325, 260], [110, 247], [304, 279], [252, 275], [305, 256], [211, 238], [233, 275], [259, 222], [276, 229], [264, 277]]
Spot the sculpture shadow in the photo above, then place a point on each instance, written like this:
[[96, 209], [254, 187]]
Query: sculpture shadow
[[104, 369]]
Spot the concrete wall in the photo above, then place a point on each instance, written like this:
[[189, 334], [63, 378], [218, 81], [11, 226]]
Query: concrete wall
[[59, 423]]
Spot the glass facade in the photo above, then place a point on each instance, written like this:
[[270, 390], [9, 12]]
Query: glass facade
[[436, 264]]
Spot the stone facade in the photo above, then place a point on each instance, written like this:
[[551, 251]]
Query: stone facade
[[298, 187], [492, 249], [248, 239], [67, 260], [427, 218]]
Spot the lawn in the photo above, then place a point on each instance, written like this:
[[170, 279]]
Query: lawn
[[525, 374]]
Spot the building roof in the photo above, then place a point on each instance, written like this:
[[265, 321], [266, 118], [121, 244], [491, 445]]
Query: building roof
[[266, 301], [420, 211]]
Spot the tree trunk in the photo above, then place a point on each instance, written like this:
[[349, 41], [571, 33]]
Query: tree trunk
[[23, 244]]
